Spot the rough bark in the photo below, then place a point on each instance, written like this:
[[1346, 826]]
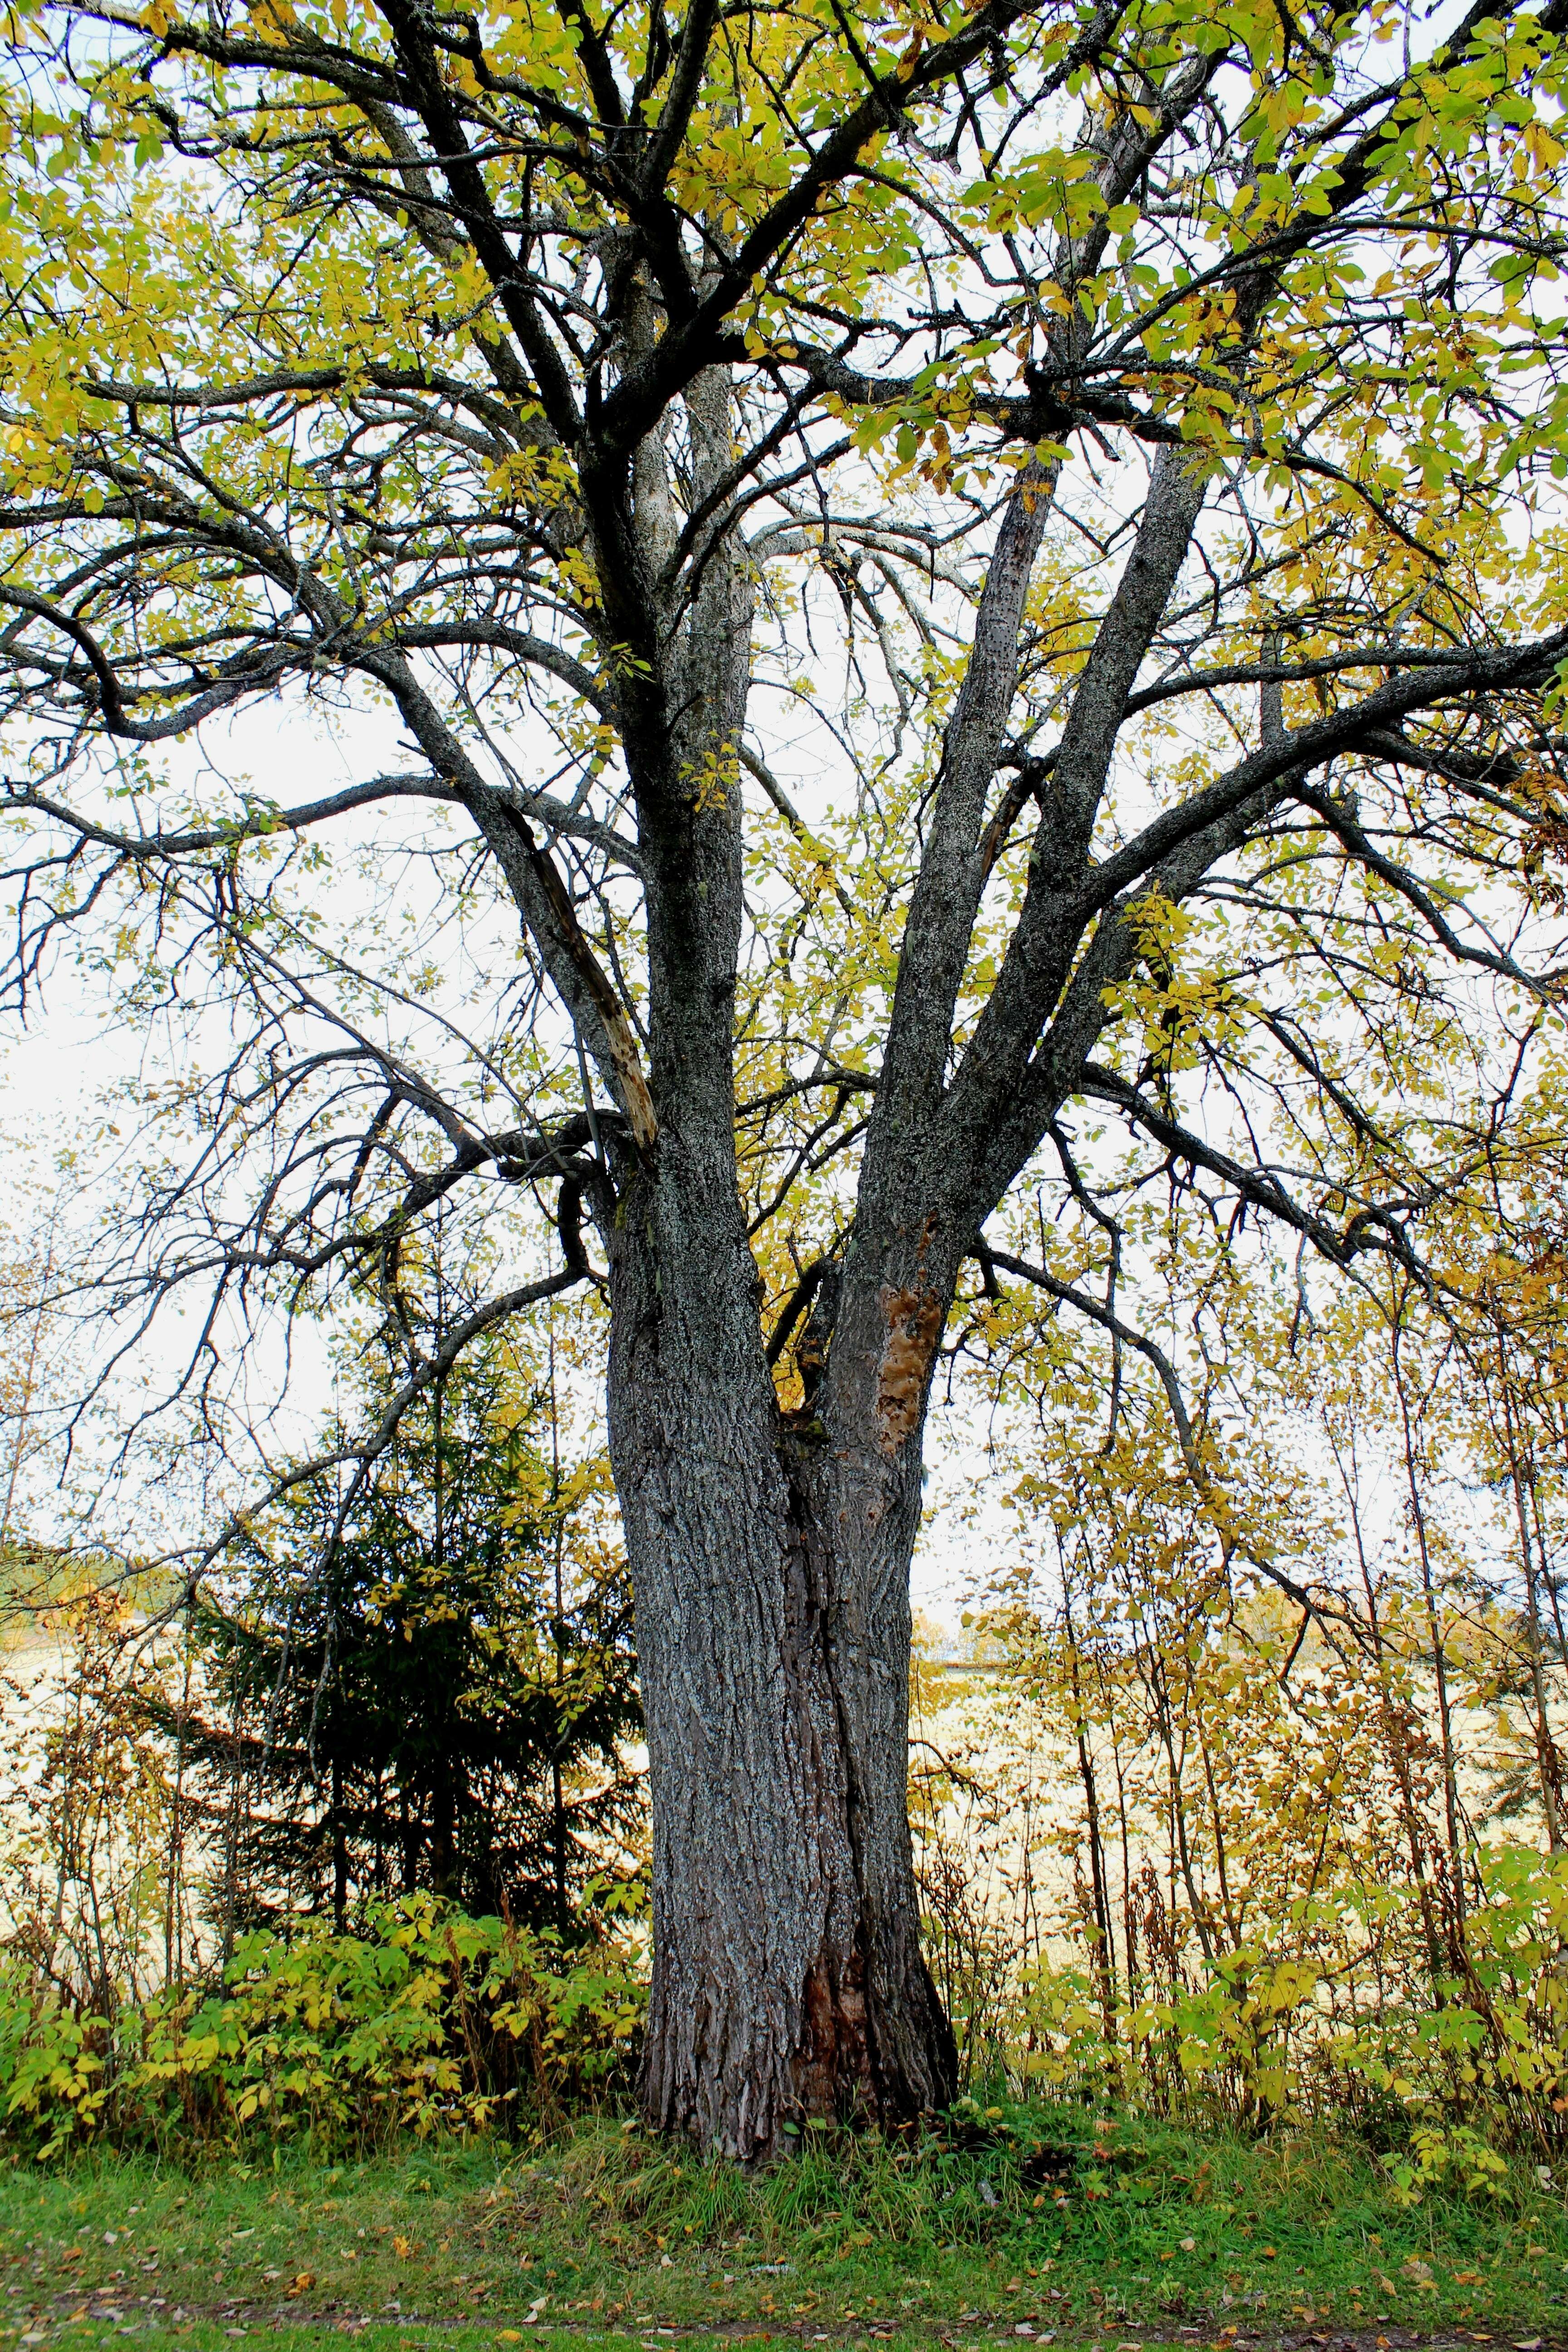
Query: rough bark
[[772, 1629], [773, 1613]]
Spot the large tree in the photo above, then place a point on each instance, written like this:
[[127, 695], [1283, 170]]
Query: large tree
[[1140, 415]]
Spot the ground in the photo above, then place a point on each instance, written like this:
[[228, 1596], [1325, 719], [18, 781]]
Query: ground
[[1055, 2225]]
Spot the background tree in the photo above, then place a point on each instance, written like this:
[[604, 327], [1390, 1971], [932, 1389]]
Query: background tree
[[452, 1704], [1148, 415]]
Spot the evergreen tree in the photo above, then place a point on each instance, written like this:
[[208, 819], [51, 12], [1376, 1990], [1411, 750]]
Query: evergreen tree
[[447, 1703]]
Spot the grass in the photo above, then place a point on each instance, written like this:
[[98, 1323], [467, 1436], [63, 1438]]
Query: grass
[[1085, 2229]]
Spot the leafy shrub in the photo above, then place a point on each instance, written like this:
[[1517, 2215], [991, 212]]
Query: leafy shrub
[[428, 2020], [1266, 2031]]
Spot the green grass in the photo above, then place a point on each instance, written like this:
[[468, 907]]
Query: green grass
[[1097, 2232]]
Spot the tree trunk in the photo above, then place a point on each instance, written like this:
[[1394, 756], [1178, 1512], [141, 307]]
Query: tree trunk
[[774, 1637], [340, 1851]]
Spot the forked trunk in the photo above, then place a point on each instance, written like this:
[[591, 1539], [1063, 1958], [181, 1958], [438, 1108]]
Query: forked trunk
[[773, 1636]]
